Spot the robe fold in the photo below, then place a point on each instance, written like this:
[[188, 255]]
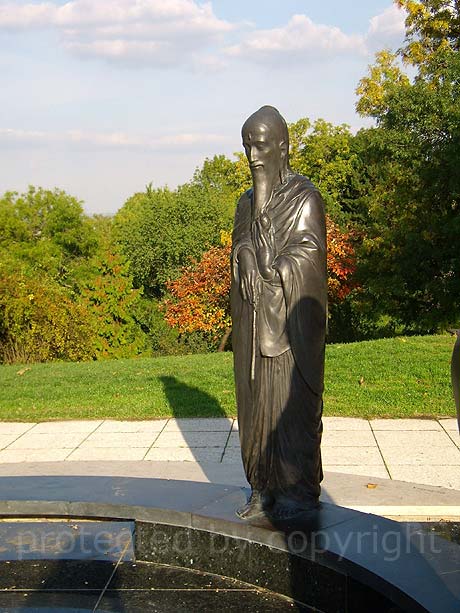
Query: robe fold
[[282, 345]]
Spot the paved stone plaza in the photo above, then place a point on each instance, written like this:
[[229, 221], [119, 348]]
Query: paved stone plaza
[[418, 451]]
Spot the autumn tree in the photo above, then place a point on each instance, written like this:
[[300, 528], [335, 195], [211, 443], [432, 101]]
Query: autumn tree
[[341, 262], [199, 300]]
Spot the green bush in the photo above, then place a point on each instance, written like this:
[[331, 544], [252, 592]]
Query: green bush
[[39, 322]]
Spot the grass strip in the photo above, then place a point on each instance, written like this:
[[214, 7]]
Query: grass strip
[[400, 377]]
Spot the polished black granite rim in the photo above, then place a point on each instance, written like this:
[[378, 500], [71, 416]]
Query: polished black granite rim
[[336, 560], [140, 586]]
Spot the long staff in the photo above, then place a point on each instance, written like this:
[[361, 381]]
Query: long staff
[[255, 307]]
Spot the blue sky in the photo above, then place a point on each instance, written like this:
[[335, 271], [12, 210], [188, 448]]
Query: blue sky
[[101, 97]]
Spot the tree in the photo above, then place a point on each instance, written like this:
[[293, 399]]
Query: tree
[[110, 299], [44, 231], [341, 262], [199, 299], [432, 26], [65, 291], [40, 321], [410, 262], [159, 230], [324, 153]]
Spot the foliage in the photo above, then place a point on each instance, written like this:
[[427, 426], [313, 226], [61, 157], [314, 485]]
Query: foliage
[[162, 339], [199, 298], [225, 179], [324, 153], [40, 322], [432, 26], [110, 299], [341, 263], [44, 231], [384, 78], [66, 293], [409, 261], [159, 230]]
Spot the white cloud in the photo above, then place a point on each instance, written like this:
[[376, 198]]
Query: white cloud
[[26, 15], [388, 23], [387, 29], [111, 140], [155, 31], [301, 38], [173, 14], [166, 33]]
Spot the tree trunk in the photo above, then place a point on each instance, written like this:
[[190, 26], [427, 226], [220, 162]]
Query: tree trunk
[[224, 339]]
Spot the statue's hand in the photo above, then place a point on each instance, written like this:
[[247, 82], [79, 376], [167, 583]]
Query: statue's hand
[[248, 271], [264, 242]]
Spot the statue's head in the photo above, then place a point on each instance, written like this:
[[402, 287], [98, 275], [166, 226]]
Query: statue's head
[[266, 143]]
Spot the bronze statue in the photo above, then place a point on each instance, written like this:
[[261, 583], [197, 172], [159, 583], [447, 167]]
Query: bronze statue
[[455, 373], [278, 301]]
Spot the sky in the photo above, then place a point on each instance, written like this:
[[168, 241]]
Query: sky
[[102, 97]]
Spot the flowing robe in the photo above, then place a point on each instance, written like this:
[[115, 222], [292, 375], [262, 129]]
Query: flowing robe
[[279, 349]]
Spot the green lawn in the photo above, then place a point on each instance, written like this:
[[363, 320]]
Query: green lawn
[[402, 377]]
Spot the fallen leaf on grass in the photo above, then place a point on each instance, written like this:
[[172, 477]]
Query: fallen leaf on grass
[[22, 371], [361, 381]]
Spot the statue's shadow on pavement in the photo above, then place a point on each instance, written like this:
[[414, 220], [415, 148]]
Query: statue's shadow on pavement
[[187, 401]]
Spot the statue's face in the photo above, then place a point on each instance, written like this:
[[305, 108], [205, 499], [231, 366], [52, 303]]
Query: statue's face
[[263, 153]]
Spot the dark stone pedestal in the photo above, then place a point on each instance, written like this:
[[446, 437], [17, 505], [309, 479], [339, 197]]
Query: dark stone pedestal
[[147, 544]]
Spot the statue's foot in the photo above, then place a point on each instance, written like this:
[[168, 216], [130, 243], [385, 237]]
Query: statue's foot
[[283, 511], [257, 504]]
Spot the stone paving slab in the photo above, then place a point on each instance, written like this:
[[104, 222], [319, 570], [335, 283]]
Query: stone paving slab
[[419, 450], [449, 424], [67, 440], [345, 423], [111, 426], [455, 438], [372, 472], [232, 455], [202, 424], [412, 439], [107, 453], [7, 439], [233, 440], [185, 454], [192, 439], [15, 428], [352, 456], [119, 439], [404, 424], [352, 438], [58, 427], [33, 455], [447, 476], [387, 497], [428, 456]]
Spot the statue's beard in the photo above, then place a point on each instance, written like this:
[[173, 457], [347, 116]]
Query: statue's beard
[[263, 190]]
